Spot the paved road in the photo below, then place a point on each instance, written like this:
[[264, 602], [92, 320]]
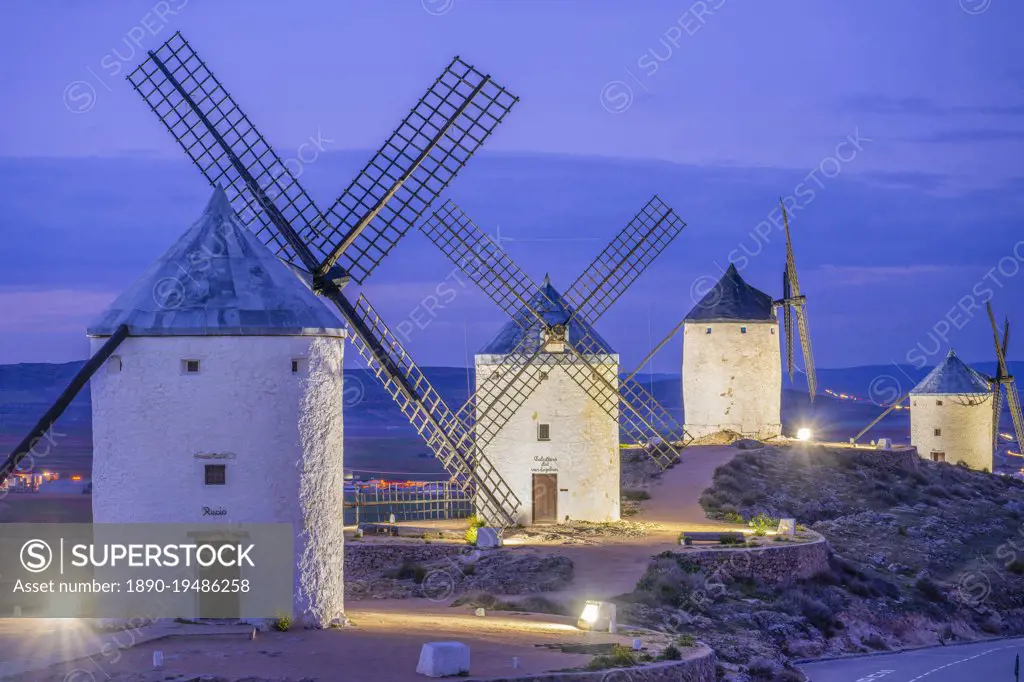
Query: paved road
[[979, 662]]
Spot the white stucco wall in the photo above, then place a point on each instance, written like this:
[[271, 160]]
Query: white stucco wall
[[965, 425], [732, 380], [583, 451], [281, 431]]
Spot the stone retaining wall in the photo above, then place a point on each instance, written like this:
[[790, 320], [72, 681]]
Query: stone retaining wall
[[700, 668], [774, 564], [363, 559]]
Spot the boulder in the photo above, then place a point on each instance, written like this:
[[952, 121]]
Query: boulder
[[487, 538], [443, 659]]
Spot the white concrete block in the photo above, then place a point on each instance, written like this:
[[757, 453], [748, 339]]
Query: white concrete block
[[487, 538], [442, 659], [787, 527]]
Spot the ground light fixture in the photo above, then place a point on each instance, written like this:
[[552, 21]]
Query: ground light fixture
[[803, 433], [598, 616]]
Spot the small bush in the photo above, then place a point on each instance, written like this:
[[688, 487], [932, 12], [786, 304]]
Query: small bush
[[761, 668], [620, 657], [929, 590], [686, 639], [282, 623], [474, 523], [408, 571], [636, 495], [762, 523], [671, 653]]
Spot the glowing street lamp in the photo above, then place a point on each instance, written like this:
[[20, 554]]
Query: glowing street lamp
[[803, 434]]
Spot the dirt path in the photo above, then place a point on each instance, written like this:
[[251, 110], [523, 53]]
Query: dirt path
[[613, 568]]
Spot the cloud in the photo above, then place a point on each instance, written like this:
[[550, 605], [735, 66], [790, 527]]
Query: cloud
[[53, 310], [922, 106], [970, 136]]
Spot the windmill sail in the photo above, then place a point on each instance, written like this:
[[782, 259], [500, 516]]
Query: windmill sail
[[431, 146], [540, 312], [1004, 379], [45, 423], [798, 302]]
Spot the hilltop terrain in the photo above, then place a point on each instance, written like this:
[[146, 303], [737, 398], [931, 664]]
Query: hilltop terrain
[[922, 555]]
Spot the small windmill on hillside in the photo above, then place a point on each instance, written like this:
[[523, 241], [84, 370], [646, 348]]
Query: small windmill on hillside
[[431, 145], [549, 400], [955, 410]]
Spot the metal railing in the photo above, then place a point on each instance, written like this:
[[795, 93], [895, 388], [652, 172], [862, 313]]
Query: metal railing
[[407, 501]]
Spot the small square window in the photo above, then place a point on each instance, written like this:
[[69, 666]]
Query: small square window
[[298, 365], [938, 432], [773, 330], [190, 366], [708, 330], [543, 431], [215, 474], [938, 402], [743, 330]]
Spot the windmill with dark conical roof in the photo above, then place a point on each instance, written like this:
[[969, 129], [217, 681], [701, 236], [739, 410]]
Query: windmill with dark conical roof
[[955, 410], [732, 369]]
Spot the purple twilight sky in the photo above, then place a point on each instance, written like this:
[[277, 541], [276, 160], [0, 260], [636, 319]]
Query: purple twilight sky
[[895, 129]]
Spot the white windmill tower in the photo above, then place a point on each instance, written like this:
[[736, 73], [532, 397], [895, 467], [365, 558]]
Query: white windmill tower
[[732, 369], [951, 415], [224, 403], [955, 410]]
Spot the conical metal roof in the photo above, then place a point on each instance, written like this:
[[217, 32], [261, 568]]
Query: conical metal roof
[[553, 308], [219, 280], [733, 299], [953, 377]]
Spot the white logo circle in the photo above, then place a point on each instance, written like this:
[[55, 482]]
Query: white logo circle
[[36, 556]]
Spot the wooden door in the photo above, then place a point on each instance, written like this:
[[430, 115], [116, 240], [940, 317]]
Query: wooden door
[[545, 498]]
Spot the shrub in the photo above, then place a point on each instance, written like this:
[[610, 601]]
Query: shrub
[[929, 590], [408, 570], [636, 495], [671, 653], [762, 523], [761, 667], [282, 623], [619, 657], [474, 523], [686, 639]]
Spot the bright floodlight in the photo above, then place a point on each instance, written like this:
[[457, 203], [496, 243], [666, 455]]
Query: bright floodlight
[[598, 616], [803, 434]]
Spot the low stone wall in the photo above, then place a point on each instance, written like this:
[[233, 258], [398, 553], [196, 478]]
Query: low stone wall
[[363, 559], [774, 564], [699, 668]]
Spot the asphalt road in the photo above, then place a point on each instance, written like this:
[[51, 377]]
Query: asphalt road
[[978, 662]]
